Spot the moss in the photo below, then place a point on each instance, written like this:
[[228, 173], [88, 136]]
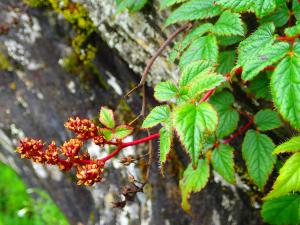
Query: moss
[[37, 3], [4, 63], [77, 15], [80, 61]]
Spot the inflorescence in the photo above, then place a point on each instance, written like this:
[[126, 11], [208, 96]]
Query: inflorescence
[[69, 155]]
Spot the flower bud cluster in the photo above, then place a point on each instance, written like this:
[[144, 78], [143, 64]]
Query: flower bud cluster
[[69, 155]]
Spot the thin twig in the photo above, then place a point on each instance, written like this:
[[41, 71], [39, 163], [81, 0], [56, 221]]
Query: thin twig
[[157, 54]]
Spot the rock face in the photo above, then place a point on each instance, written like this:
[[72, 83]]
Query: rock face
[[38, 95]]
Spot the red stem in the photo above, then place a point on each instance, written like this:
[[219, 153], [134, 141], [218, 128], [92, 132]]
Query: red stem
[[241, 130], [142, 140], [111, 155], [122, 145]]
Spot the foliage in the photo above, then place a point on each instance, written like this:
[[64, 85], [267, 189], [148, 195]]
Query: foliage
[[201, 109], [17, 207]]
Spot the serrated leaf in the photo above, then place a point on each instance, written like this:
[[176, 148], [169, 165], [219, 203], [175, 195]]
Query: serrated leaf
[[193, 124], [203, 48], [229, 40], [282, 210], [191, 71], [292, 145], [107, 117], [205, 82], [280, 17], [131, 5], [107, 133], [165, 91], [222, 99], [263, 58], [260, 87], [264, 7], [189, 38], [236, 5], [285, 88], [228, 24], [194, 180], [296, 9], [222, 161], [226, 61], [165, 141], [194, 34], [194, 10], [267, 120], [257, 151], [167, 3], [293, 31], [288, 179], [157, 115], [260, 39], [123, 131], [228, 117]]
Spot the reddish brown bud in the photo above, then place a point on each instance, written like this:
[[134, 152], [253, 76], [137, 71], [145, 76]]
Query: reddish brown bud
[[99, 140], [126, 161], [72, 147], [84, 128], [84, 156], [32, 149], [51, 154], [90, 173]]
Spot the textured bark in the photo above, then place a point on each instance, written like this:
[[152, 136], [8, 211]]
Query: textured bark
[[46, 95]]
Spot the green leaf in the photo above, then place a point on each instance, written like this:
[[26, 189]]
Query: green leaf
[[157, 115], [165, 142], [236, 5], [226, 61], [285, 87], [229, 40], [189, 38], [123, 131], [229, 117], [222, 161], [260, 39], [107, 117], [292, 145], [293, 31], [260, 87], [194, 10], [165, 91], [264, 7], [263, 58], [267, 120], [131, 5], [223, 99], [282, 210], [205, 82], [193, 124], [257, 151], [280, 17], [191, 71], [288, 179], [229, 24], [203, 48], [194, 180], [107, 133], [296, 9], [167, 3]]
